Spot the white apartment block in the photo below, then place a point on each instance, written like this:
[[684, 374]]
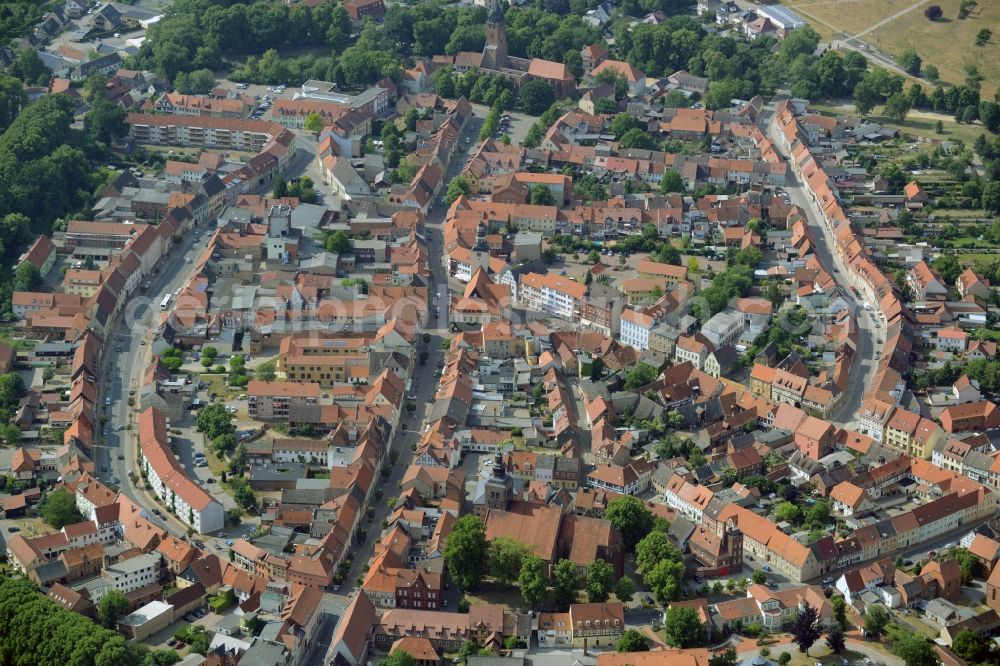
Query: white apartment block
[[723, 328], [635, 328], [555, 295]]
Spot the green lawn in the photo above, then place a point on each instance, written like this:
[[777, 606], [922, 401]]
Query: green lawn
[[917, 123]]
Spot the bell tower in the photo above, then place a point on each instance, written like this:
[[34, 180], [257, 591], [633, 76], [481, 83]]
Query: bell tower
[[495, 52]]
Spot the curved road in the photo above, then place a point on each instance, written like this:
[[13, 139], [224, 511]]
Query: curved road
[[864, 366]]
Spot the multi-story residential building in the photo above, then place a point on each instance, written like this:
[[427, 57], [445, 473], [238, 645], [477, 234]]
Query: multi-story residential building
[[911, 434], [251, 136], [631, 479], [658, 271], [292, 402], [195, 105], [951, 339], [182, 496], [723, 328], [872, 418], [594, 625], [693, 348], [132, 574], [688, 498], [971, 416], [635, 328], [555, 295], [557, 471]]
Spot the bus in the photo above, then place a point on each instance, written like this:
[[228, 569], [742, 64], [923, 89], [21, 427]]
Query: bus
[[165, 303]]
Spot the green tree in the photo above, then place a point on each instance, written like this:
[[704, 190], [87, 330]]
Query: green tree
[[456, 188], [839, 610], [784, 658], [59, 509], [537, 95], [280, 188], [37, 631], [638, 139], [243, 494], [671, 182], [399, 658], [541, 195], [835, 639], [758, 577], [972, 646], [897, 106], [615, 79], [788, 512], [265, 371], [624, 123], [991, 197], [565, 583], [682, 628], [110, 608], [215, 420], [652, 548], [876, 620], [28, 276], [805, 630], [866, 96], [947, 267], [600, 581], [13, 98], [632, 641], [639, 376], [467, 552], [313, 123], [913, 649], [11, 434], [198, 82], [625, 589], [665, 580], [533, 580], [630, 517], [506, 558], [909, 61], [339, 242]]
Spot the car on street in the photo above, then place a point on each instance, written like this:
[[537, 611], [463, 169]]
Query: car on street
[[221, 535], [827, 581], [13, 528]]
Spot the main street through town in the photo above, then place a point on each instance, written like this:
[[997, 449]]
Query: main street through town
[[864, 365], [126, 354], [421, 392]]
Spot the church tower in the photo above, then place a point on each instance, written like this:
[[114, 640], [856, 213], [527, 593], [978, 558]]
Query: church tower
[[499, 487], [495, 52]]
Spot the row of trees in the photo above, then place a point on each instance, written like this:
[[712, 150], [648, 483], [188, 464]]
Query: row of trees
[[34, 630]]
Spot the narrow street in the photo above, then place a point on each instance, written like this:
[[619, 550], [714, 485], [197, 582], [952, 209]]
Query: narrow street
[[123, 361], [864, 366], [423, 387]]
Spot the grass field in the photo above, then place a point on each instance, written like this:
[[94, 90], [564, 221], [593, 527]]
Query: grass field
[[832, 17], [948, 44], [918, 123]]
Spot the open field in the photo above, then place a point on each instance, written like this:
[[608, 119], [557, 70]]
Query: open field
[[917, 123], [948, 44], [832, 17]]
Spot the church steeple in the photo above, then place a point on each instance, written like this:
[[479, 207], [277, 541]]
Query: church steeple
[[495, 52]]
